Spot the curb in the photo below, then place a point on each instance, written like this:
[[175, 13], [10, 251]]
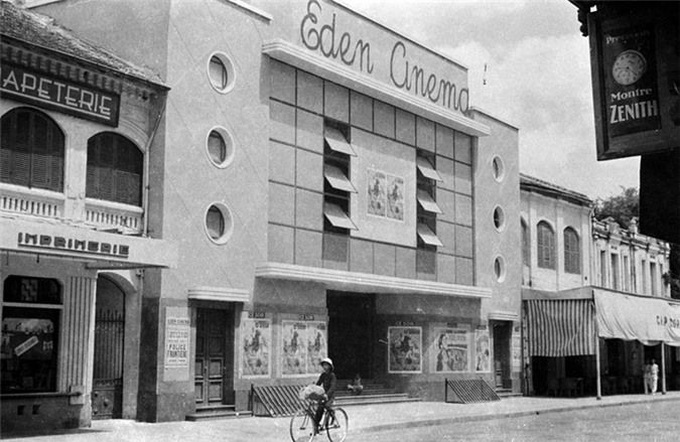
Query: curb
[[505, 415]]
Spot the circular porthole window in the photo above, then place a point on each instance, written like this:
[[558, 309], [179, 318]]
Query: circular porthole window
[[218, 223], [220, 147], [498, 169], [499, 218], [499, 268], [221, 72]]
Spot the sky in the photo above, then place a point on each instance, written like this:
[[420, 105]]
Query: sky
[[537, 79]]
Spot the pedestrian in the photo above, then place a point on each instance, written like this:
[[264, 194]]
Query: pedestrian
[[646, 374], [356, 387], [653, 376], [328, 381]]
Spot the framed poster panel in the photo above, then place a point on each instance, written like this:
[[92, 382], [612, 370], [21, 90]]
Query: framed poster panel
[[256, 338], [451, 350], [405, 349], [293, 348], [317, 345], [482, 351]]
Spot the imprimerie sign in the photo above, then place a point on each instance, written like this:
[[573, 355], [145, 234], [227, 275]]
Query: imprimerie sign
[[58, 94], [75, 245]]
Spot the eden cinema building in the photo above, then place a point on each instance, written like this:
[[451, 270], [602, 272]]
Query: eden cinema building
[[331, 192]]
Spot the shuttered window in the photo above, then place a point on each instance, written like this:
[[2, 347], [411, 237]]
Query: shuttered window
[[572, 251], [114, 169], [546, 246], [31, 150]]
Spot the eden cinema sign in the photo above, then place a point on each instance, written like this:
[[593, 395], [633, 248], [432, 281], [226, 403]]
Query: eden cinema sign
[[58, 94], [636, 77], [344, 38]]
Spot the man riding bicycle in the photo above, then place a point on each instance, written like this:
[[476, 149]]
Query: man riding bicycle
[[329, 382]]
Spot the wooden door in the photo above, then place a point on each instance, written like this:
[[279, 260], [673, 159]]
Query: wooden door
[[214, 359]]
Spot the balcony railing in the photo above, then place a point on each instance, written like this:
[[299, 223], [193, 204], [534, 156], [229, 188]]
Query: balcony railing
[[37, 202]]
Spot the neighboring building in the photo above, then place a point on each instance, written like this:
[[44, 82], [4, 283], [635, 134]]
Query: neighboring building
[[585, 279], [77, 130], [332, 193]]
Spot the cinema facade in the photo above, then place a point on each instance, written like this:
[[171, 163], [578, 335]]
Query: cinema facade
[[332, 192]]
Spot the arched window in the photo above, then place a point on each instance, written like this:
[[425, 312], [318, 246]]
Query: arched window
[[31, 150], [572, 251], [546, 245], [114, 169], [526, 244]]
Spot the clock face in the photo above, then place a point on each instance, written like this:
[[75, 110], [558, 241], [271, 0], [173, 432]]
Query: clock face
[[629, 67]]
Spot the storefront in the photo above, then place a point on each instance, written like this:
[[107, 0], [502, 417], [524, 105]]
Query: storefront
[[597, 341], [76, 127]]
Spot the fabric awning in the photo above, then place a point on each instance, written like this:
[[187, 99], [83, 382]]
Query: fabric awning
[[427, 203], [644, 319], [560, 327], [426, 169], [337, 179], [428, 236], [337, 141], [338, 217]]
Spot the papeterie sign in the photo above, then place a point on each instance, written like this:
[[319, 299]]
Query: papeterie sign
[[58, 94]]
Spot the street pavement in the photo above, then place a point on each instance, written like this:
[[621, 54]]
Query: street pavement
[[363, 419]]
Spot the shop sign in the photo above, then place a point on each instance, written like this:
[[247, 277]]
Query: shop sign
[[396, 63], [62, 243], [256, 315], [631, 91], [306, 317], [177, 331], [58, 94]]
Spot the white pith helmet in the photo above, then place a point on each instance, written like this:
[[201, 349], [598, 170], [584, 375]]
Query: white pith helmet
[[327, 361]]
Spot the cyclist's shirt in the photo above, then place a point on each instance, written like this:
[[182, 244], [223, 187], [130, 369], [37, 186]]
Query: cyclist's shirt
[[329, 383]]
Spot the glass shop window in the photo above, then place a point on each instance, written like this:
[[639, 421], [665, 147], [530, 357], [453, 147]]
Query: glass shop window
[[30, 334]]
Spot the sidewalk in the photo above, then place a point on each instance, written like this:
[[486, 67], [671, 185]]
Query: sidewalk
[[362, 419]]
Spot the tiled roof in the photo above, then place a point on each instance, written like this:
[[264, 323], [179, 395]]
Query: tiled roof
[[41, 31], [527, 182]]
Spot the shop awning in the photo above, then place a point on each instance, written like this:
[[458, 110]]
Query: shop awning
[[337, 141], [645, 319], [337, 179], [560, 327]]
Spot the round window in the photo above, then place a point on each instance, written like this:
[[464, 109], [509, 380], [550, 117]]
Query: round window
[[499, 218], [218, 223], [498, 168], [499, 269], [221, 73], [220, 147]]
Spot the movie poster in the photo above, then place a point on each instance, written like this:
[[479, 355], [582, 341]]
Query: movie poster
[[482, 351], [377, 195], [451, 350], [256, 349], [395, 197], [294, 348], [316, 345], [405, 349]]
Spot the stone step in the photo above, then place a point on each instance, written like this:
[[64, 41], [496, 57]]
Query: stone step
[[374, 399], [218, 412]]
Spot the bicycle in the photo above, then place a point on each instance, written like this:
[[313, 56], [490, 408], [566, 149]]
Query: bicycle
[[334, 423]]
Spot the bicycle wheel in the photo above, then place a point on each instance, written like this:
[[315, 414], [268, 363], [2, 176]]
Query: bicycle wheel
[[336, 425], [301, 427]]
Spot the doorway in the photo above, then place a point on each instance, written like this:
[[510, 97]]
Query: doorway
[[350, 333], [109, 339], [214, 377], [502, 331]]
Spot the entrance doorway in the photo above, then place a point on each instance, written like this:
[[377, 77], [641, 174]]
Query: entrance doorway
[[350, 333], [214, 378], [109, 338], [502, 331]]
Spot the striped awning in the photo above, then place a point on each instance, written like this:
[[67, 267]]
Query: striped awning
[[560, 327]]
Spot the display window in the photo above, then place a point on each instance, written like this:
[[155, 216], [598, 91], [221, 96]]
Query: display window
[[30, 333]]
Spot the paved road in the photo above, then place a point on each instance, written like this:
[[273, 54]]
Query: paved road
[[659, 421]]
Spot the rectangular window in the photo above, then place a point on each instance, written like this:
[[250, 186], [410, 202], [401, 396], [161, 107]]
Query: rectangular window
[[626, 274], [30, 334], [643, 277], [603, 268], [615, 271], [654, 279], [426, 212]]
